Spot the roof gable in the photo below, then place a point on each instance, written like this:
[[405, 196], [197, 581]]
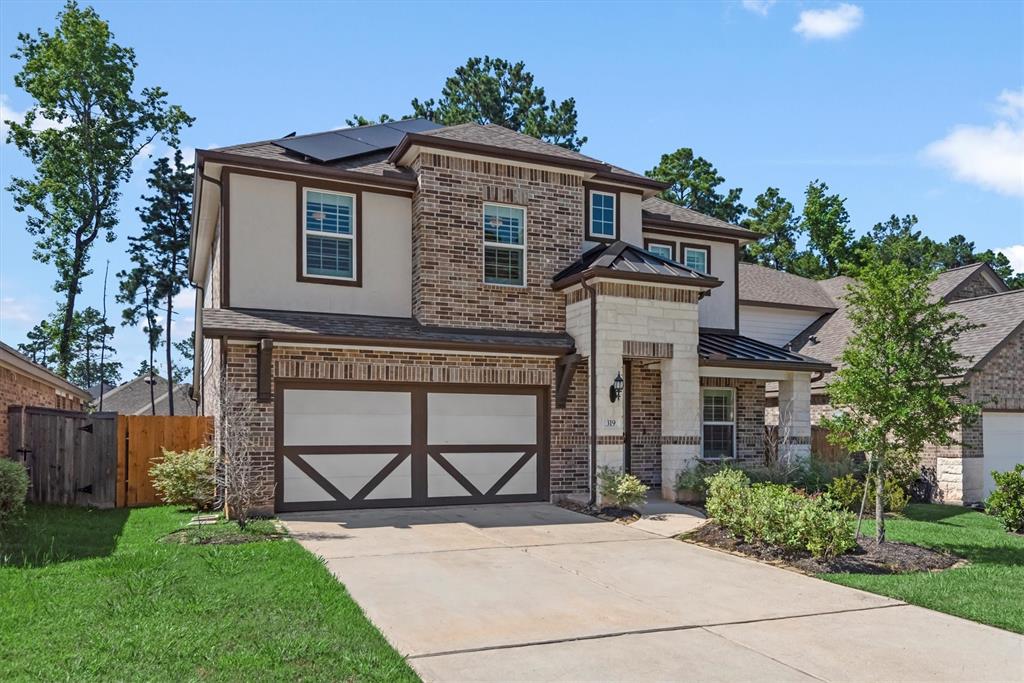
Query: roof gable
[[624, 261]]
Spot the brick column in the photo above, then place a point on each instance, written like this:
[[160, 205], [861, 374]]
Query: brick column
[[795, 417]]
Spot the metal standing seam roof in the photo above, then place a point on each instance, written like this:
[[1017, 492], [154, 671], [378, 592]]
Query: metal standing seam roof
[[623, 260], [733, 349]]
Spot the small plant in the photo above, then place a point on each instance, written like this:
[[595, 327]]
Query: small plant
[[848, 492], [691, 483], [778, 515], [625, 489], [185, 477], [1007, 501], [13, 489]]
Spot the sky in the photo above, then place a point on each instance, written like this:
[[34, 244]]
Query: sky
[[908, 107]]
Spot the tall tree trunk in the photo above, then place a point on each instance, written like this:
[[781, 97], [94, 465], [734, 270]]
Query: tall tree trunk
[[880, 501], [170, 368], [64, 344], [152, 383]]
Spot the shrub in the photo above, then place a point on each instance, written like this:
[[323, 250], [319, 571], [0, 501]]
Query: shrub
[[625, 489], [848, 492], [695, 477], [13, 489], [185, 477], [1007, 501], [778, 515]]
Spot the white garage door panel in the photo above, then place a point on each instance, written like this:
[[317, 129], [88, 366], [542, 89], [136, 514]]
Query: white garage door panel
[[483, 470], [350, 472], [481, 418], [1003, 442], [299, 488], [347, 418]]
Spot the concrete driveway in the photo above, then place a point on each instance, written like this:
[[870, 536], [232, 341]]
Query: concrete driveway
[[535, 592]]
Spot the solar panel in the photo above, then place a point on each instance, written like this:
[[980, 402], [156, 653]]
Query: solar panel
[[350, 142]]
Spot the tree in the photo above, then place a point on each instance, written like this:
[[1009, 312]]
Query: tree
[[42, 342], [186, 349], [164, 242], [91, 332], [774, 217], [359, 120], [827, 224], [695, 183], [145, 370], [82, 82], [491, 90], [895, 390], [137, 290], [238, 471]]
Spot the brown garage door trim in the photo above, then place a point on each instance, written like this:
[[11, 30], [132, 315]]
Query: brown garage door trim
[[418, 452]]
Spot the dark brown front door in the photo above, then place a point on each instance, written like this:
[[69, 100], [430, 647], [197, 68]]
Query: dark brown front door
[[364, 445]]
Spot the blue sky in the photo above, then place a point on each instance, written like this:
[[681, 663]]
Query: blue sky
[[900, 107]]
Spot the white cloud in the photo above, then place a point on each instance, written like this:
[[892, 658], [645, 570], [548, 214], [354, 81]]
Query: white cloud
[[185, 300], [829, 23], [13, 310], [991, 157], [1014, 252], [758, 6], [9, 113]]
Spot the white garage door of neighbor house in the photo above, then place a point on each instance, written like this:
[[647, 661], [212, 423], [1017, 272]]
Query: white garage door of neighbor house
[[1003, 439], [375, 445]]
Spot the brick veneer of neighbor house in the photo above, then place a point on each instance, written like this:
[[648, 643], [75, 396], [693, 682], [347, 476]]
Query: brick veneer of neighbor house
[[568, 454], [644, 393], [974, 286], [750, 415], [18, 389], [447, 243]]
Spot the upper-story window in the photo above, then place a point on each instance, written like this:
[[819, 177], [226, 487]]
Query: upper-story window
[[663, 249], [696, 258], [602, 215], [329, 236], [504, 245]]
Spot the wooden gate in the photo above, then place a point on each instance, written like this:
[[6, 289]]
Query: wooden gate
[[98, 459], [141, 440], [71, 457]]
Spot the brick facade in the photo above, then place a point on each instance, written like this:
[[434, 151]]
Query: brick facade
[[568, 454], [447, 243], [645, 420], [20, 389], [974, 286]]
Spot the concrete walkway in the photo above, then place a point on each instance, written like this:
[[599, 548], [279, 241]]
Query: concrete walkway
[[533, 592]]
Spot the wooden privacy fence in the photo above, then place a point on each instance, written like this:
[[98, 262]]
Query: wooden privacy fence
[[97, 459]]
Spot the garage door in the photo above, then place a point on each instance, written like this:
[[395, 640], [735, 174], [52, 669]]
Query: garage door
[[1003, 439], [364, 445]]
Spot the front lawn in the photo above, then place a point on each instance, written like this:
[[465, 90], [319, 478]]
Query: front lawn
[[989, 590], [95, 595]]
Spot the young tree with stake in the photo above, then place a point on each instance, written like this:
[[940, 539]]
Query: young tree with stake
[[899, 385]]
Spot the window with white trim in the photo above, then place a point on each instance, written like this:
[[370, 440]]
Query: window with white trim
[[328, 234], [662, 250], [602, 214], [504, 245], [696, 259], [718, 424]]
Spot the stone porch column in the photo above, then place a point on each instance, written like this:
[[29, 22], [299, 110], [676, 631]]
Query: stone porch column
[[680, 415], [795, 417]]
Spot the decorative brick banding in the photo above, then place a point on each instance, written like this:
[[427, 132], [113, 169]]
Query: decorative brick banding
[[642, 349], [634, 291]]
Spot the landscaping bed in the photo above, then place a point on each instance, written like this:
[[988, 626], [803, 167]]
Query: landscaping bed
[[219, 531], [866, 558]]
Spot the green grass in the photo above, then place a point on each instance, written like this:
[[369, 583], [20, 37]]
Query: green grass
[[94, 595], [989, 590]]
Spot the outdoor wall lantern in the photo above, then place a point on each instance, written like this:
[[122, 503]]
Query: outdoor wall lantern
[[615, 390]]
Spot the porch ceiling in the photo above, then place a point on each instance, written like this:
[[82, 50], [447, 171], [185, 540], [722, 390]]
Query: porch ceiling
[[736, 351]]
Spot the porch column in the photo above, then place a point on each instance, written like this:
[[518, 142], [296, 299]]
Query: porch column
[[795, 417], [680, 415]]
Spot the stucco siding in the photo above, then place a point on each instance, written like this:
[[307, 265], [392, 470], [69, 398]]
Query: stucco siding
[[262, 248]]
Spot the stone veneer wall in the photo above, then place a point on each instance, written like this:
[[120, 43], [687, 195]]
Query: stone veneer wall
[[750, 415], [447, 243], [645, 424], [568, 456], [974, 286]]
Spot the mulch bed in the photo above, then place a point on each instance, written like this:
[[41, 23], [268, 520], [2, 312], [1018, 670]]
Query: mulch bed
[[607, 514], [867, 558]]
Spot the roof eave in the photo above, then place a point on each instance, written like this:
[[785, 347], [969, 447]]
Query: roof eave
[[436, 142], [652, 219], [306, 169], [807, 366]]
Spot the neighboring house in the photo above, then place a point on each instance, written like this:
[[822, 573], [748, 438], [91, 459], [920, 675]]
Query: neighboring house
[[133, 398], [428, 315], [809, 317], [24, 383]]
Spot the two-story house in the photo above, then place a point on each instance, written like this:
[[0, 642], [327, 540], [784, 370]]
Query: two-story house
[[426, 315]]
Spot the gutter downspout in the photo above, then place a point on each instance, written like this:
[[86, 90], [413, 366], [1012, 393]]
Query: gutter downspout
[[592, 293]]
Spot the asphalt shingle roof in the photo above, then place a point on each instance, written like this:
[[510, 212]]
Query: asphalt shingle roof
[[254, 323], [655, 207], [770, 286], [132, 398]]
